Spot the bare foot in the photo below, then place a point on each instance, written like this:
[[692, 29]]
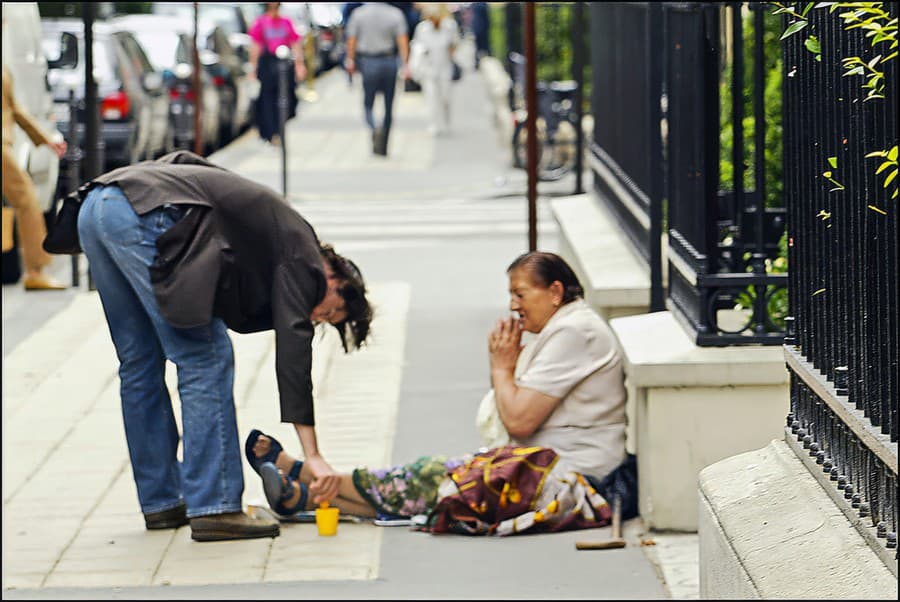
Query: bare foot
[[284, 462]]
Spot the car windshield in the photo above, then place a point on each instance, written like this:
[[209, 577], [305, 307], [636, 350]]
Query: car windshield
[[161, 47], [103, 70]]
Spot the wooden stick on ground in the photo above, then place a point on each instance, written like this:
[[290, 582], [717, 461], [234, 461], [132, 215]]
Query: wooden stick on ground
[[616, 541]]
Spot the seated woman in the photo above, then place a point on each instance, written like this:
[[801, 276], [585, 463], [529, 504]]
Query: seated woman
[[560, 399]]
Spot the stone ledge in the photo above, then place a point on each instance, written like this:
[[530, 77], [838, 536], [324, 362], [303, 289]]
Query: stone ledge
[[683, 403], [767, 529], [616, 281], [660, 354]]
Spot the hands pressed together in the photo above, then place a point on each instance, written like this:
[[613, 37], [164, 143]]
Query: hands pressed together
[[505, 343]]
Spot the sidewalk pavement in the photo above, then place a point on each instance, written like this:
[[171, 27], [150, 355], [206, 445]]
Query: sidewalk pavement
[[70, 516]]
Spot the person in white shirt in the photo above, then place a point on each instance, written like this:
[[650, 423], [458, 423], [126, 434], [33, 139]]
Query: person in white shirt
[[431, 62]]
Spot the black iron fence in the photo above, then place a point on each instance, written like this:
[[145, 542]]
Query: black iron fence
[[627, 89], [842, 348], [658, 70]]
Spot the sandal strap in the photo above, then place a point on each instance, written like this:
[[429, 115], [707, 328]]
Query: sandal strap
[[286, 494], [295, 470]]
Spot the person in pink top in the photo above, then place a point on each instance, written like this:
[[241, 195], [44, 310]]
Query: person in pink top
[[269, 31]]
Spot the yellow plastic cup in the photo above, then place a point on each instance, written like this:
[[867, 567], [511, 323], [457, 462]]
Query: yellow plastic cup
[[327, 519]]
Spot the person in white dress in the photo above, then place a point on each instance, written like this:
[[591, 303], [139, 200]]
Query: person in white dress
[[431, 62]]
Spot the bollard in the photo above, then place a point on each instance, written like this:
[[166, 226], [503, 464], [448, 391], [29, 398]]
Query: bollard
[[73, 168], [284, 54]]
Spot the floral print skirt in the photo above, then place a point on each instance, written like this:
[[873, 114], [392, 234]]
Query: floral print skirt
[[406, 490], [501, 491]]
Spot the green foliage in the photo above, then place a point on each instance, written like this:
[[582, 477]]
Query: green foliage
[[881, 30], [776, 297], [771, 110], [497, 32], [888, 166], [553, 41]]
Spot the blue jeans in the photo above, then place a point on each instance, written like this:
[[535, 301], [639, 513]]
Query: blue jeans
[[379, 74], [120, 246]]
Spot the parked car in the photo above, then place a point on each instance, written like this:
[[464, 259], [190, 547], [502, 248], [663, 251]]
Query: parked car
[[217, 58], [230, 75], [134, 104], [235, 18], [324, 22], [169, 41], [24, 57], [225, 26]]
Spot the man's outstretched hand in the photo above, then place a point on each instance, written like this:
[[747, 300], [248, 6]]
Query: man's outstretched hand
[[325, 481]]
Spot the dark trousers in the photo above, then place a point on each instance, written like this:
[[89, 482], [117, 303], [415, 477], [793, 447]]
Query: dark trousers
[[267, 109], [379, 75]]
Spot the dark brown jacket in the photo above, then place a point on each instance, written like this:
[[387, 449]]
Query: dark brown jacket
[[241, 253]]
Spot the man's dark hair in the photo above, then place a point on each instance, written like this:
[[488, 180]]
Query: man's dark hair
[[352, 289], [546, 268]]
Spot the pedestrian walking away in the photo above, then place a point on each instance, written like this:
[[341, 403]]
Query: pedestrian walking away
[[268, 32], [481, 27], [18, 191], [557, 403], [377, 38], [182, 250], [431, 62]]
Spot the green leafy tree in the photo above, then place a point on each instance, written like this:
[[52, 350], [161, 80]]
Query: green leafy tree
[[881, 30]]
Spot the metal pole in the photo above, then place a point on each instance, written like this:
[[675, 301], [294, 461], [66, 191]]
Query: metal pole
[[578, 76], [531, 122], [737, 118], [93, 142], [73, 169], [284, 54], [195, 56], [758, 261], [655, 50], [198, 92]]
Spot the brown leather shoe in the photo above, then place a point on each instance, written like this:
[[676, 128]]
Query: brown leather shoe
[[167, 519], [232, 525], [42, 282]]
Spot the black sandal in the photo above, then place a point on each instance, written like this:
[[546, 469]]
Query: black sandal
[[257, 461], [279, 490]]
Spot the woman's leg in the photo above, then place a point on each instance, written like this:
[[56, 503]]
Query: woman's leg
[[445, 90], [348, 500], [20, 193], [267, 115], [430, 92]]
